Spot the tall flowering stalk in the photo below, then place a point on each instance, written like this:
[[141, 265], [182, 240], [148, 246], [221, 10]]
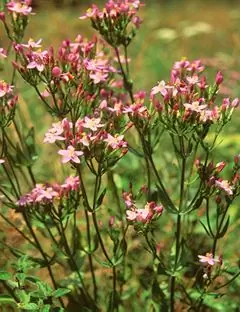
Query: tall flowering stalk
[[90, 224]]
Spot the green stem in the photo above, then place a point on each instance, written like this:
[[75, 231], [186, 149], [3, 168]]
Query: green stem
[[43, 254]]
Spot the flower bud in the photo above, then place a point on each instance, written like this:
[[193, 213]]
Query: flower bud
[[219, 78], [2, 17], [111, 221], [56, 71]]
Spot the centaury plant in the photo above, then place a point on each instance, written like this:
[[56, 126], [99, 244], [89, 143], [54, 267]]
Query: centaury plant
[[102, 239]]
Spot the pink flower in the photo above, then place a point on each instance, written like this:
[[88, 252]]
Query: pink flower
[[131, 215], [92, 123], [70, 154], [225, 186], [3, 53], [116, 141], [98, 77], [219, 78], [160, 88], [195, 106], [20, 7], [208, 259], [2, 161], [5, 88], [38, 60], [54, 133], [71, 183], [49, 193], [32, 44]]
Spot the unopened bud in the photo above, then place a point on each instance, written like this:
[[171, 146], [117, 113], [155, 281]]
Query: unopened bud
[[2, 17], [56, 71], [219, 78], [111, 221]]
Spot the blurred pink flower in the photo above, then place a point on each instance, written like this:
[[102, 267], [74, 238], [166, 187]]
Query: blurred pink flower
[[225, 186], [20, 7], [54, 133], [208, 259], [70, 154], [92, 123]]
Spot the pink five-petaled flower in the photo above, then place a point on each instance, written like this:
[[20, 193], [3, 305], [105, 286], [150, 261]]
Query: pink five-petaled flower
[[71, 183], [32, 44], [225, 186], [195, 106], [92, 123], [70, 154], [20, 7], [5, 88], [54, 133], [208, 259], [116, 141]]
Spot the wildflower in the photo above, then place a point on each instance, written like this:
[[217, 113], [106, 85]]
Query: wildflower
[[37, 60], [32, 44], [219, 78], [208, 259], [195, 106], [116, 141], [92, 123], [98, 77], [225, 186], [2, 161], [3, 53], [70, 154], [49, 193], [20, 7], [71, 183], [5, 88], [54, 133]]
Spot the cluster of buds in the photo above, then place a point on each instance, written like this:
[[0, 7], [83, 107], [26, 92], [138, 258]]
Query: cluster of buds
[[113, 21], [44, 194], [188, 102], [8, 102], [83, 137]]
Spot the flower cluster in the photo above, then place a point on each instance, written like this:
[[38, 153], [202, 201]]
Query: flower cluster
[[8, 102], [209, 175], [149, 213], [71, 78], [113, 20], [187, 100], [83, 137], [46, 193]]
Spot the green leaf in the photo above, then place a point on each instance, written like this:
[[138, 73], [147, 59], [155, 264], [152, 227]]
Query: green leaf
[[4, 276], [165, 201], [23, 296], [44, 288], [158, 296], [205, 228], [100, 198], [30, 306], [60, 292], [6, 299]]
